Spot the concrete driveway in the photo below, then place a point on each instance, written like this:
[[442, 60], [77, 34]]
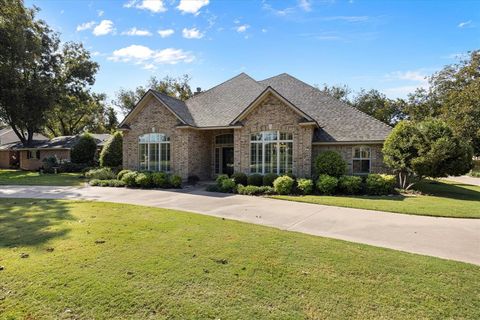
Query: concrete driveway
[[450, 238], [465, 179]]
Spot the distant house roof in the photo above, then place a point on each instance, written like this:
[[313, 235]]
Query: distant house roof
[[222, 104], [7, 136], [62, 142]]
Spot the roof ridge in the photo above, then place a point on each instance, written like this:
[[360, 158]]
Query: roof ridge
[[218, 85], [166, 95]]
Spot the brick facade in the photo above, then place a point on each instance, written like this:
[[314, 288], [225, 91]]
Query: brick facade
[[35, 164]]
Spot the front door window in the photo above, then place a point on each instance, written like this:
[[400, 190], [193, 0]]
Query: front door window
[[227, 160], [223, 157]]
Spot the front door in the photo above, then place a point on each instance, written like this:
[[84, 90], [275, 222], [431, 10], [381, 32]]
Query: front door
[[227, 160]]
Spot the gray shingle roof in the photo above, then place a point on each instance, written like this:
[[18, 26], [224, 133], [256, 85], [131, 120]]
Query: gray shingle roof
[[220, 105], [62, 142]]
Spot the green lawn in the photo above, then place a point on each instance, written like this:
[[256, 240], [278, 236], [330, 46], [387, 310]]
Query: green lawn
[[164, 264], [32, 178], [441, 199]]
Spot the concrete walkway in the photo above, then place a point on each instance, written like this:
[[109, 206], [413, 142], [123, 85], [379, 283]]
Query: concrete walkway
[[457, 239], [465, 179]]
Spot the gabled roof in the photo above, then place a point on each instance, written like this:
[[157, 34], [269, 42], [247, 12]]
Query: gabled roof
[[225, 103], [62, 142], [7, 136]]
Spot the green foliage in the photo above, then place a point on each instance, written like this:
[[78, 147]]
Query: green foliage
[[122, 173], [112, 153], [350, 184], [255, 190], [426, 149], [84, 150], [283, 185], [160, 180], [227, 185], [327, 184], [330, 163], [379, 184], [305, 186], [49, 164], [240, 178], [255, 179], [143, 180], [129, 178], [175, 181], [269, 178], [377, 105], [100, 174], [107, 183], [71, 167]]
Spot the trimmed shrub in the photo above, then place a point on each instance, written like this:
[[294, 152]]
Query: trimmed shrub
[[175, 181], [107, 183], [111, 154], [330, 163], [84, 150], [227, 185], [122, 173], [326, 184], [129, 178], [254, 190], [379, 184], [255, 179], [100, 174], [350, 184], [305, 186], [220, 178], [269, 178], [49, 164], [160, 180], [94, 182], [143, 180], [283, 185], [240, 178]]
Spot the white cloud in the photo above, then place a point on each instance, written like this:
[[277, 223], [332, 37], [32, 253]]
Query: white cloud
[[306, 5], [137, 32], [192, 33], [242, 28], [166, 33], [85, 26], [100, 13], [264, 30], [278, 12], [465, 24], [105, 27], [155, 6], [415, 75], [148, 58], [408, 82], [192, 6]]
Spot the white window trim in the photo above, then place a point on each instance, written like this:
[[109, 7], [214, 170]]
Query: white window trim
[[159, 143], [264, 142], [369, 159]]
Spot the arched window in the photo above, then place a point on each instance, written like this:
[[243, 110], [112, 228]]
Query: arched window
[[361, 160], [154, 152], [271, 152]]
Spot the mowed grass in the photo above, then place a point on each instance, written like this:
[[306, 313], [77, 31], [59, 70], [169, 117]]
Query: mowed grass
[[163, 264], [441, 199], [33, 178]]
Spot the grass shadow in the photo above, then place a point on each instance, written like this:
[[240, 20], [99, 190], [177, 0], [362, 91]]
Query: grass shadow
[[31, 222], [453, 190]]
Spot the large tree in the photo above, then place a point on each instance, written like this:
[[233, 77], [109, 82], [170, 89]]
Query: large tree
[[29, 63], [380, 107], [340, 92], [175, 87]]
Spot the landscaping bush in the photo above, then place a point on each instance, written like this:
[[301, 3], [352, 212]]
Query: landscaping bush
[[379, 184], [240, 178], [254, 190], [330, 163], [129, 178], [227, 185], [143, 180], [283, 185], [160, 180], [122, 173], [100, 174], [84, 150], [49, 164], [350, 184], [326, 184], [175, 181], [107, 183], [269, 178], [305, 186], [255, 179], [71, 167], [111, 154]]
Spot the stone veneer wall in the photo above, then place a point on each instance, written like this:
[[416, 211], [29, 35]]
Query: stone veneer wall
[[346, 151], [273, 114]]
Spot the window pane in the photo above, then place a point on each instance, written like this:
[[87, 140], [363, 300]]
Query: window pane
[[153, 157], [356, 153], [165, 157], [285, 153], [269, 135], [270, 157], [224, 139], [142, 156], [286, 136], [217, 160], [361, 166], [256, 157]]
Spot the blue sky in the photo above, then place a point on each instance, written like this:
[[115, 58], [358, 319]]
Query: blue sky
[[387, 45]]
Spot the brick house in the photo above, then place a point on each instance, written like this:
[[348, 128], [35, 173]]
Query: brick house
[[275, 125]]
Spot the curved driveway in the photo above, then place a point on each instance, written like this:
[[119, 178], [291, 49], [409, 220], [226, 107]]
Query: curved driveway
[[451, 238]]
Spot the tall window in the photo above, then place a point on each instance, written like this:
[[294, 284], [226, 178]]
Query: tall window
[[361, 160], [271, 152], [154, 152]]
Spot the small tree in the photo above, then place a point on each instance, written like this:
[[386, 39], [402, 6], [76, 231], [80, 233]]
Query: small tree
[[84, 150], [415, 150], [111, 155], [330, 163]]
